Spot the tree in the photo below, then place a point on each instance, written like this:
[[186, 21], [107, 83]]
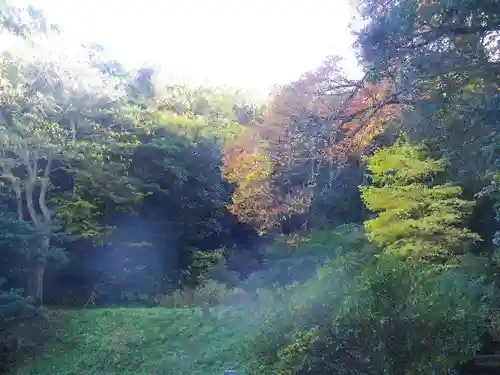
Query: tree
[[411, 32], [442, 58], [183, 175], [46, 128], [24, 22], [248, 167], [415, 217]]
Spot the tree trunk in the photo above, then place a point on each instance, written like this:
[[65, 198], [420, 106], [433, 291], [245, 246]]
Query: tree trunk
[[36, 282], [37, 273]]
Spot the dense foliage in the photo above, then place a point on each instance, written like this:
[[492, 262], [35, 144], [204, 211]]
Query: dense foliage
[[346, 226]]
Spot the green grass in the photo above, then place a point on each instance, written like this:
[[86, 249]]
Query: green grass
[[150, 341]]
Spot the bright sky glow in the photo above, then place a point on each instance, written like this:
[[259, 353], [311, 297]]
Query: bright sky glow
[[250, 44]]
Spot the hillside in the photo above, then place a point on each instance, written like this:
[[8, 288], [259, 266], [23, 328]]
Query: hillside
[[141, 341]]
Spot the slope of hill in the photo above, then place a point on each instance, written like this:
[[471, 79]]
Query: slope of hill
[[143, 341]]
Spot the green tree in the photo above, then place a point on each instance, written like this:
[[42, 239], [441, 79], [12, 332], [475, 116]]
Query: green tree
[[46, 128], [415, 217], [442, 57]]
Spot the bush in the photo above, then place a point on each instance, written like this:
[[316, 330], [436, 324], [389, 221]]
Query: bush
[[15, 309], [209, 293], [364, 310], [374, 315], [177, 299]]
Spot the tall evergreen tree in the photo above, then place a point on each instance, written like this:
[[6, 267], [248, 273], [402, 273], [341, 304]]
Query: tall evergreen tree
[[415, 216]]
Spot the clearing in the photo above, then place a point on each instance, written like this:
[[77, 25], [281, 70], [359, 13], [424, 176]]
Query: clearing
[[146, 341]]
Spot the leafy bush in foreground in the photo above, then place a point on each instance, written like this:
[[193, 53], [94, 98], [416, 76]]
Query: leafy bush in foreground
[[15, 308], [365, 313]]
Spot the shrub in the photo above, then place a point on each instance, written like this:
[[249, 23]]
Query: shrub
[[14, 307], [374, 315], [209, 293], [14, 310]]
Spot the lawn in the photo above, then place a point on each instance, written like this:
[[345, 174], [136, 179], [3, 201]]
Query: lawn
[[153, 341]]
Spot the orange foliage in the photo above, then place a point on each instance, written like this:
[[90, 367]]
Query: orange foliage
[[349, 113], [247, 165], [322, 118]]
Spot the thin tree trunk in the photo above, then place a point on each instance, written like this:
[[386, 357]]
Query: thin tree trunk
[[19, 201], [36, 276], [36, 282]]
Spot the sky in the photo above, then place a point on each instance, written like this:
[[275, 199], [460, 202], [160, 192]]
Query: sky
[[249, 44]]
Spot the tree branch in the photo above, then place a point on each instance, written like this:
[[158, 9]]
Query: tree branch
[[435, 34]]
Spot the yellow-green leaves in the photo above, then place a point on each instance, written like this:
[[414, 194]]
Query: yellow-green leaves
[[413, 218], [402, 164]]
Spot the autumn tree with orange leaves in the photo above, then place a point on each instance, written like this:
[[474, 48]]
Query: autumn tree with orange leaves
[[306, 151]]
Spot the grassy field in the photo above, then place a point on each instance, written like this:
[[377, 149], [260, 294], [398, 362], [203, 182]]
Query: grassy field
[[152, 341]]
